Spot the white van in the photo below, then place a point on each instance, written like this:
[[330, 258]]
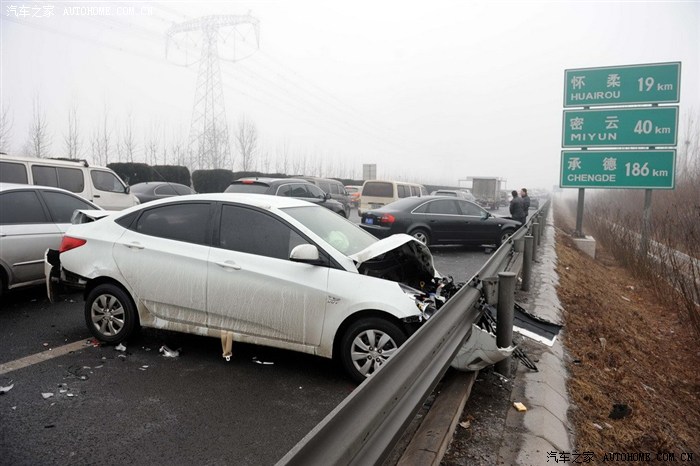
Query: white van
[[376, 193], [96, 184]]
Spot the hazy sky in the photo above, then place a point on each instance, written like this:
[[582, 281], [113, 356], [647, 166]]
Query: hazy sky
[[429, 91]]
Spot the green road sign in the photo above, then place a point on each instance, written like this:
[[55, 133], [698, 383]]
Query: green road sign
[[623, 85], [648, 169], [620, 127]]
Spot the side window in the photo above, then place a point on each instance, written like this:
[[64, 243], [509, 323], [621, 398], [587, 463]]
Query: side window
[[61, 205], [183, 190], [423, 191], [403, 190], [180, 222], [315, 191], [13, 173], [164, 190], [45, 176], [106, 181], [299, 190], [470, 209], [444, 207], [325, 186], [285, 190], [415, 191], [21, 207], [422, 209], [254, 232], [71, 179]]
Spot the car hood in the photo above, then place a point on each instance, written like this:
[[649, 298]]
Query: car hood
[[400, 258], [87, 215]]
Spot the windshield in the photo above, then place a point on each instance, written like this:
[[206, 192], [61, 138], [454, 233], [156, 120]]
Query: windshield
[[340, 233]]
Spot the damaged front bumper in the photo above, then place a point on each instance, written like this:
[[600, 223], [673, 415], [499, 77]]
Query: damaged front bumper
[[58, 280]]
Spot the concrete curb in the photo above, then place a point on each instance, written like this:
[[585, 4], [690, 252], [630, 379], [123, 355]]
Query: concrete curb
[[428, 445], [543, 428]]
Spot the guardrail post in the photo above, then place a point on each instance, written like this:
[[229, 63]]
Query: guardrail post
[[533, 248], [540, 231], [519, 245], [527, 263], [504, 317], [536, 231]]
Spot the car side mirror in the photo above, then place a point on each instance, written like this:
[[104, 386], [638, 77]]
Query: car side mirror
[[326, 196], [307, 253], [485, 215], [127, 190]]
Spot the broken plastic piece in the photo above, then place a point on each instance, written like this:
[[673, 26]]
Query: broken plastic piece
[[465, 424], [520, 407], [169, 353], [120, 347], [47, 395], [266, 363], [597, 426], [4, 390]]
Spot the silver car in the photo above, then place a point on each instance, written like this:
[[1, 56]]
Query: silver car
[[32, 220]]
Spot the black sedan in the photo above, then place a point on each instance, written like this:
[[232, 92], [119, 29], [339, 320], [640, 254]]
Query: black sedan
[[152, 190], [439, 220]]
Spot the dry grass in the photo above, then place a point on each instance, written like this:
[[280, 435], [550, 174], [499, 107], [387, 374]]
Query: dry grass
[[628, 346]]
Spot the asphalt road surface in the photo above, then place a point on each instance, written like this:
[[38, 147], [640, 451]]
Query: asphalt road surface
[[75, 403]]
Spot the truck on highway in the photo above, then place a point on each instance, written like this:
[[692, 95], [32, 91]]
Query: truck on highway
[[487, 191]]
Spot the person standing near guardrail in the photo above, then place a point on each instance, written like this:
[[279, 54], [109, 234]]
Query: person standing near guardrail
[[526, 201], [517, 208]]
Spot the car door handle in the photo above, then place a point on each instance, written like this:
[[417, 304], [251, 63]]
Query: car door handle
[[96, 195], [134, 245], [229, 265]]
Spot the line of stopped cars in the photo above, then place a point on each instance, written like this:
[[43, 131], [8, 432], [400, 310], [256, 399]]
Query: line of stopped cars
[[260, 269]]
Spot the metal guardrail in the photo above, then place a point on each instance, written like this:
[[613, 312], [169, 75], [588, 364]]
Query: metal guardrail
[[364, 427]]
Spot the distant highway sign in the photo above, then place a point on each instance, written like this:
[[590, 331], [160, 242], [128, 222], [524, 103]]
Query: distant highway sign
[[620, 127], [649, 169], [622, 85]]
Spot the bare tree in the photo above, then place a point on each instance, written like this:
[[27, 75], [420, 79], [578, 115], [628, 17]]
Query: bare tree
[[178, 148], [265, 160], [6, 122], [72, 137], [152, 145], [39, 139], [105, 137], [128, 141], [282, 158], [247, 142]]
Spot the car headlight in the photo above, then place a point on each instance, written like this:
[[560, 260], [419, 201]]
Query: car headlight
[[423, 301]]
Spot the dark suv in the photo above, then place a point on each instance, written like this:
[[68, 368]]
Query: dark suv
[[289, 187], [333, 187]]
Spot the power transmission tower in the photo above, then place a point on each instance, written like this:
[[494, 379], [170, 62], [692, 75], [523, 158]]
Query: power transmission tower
[[209, 145]]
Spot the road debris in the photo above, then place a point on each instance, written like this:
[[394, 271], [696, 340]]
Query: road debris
[[4, 390], [120, 347], [465, 424], [520, 407], [47, 395], [266, 363], [169, 353], [619, 411]]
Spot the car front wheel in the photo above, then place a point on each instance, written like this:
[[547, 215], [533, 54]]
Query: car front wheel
[[110, 314], [505, 234], [368, 344]]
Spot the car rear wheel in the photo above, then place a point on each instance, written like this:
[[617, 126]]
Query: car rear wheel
[[421, 235], [368, 344], [110, 314], [505, 234]]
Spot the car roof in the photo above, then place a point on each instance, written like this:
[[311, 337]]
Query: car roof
[[17, 186], [264, 201], [271, 180]]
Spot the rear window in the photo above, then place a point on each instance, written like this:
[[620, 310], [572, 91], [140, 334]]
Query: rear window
[[13, 173], [256, 188], [378, 189]]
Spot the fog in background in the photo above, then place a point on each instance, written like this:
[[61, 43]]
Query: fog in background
[[431, 91]]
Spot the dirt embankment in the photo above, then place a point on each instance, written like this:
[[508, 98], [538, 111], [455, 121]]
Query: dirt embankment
[[627, 348]]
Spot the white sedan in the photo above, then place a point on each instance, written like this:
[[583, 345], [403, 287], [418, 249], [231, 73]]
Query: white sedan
[[259, 269]]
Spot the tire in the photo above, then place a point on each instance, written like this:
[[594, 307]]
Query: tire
[[505, 234], [110, 314], [367, 344], [421, 235]]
